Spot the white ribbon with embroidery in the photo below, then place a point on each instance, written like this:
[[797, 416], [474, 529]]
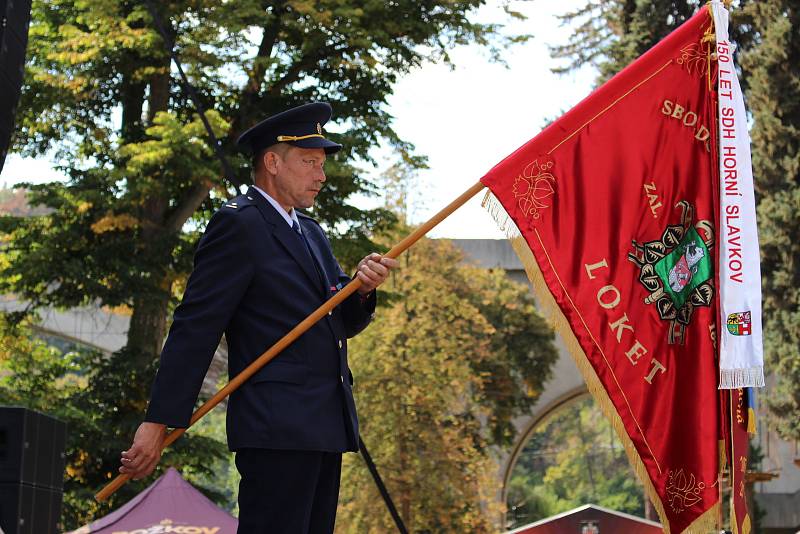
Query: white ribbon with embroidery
[[741, 350]]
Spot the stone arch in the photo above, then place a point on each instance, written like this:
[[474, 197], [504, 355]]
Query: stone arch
[[527, 427]]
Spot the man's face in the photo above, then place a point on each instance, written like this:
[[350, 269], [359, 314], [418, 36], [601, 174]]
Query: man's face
[[299, 176]]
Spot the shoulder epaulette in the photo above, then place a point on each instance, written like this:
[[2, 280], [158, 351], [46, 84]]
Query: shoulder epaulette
[[236, 203]]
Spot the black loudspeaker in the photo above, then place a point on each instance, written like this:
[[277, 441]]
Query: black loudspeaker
[[31, 471], [26, 509], [31, 448], [15, 16]]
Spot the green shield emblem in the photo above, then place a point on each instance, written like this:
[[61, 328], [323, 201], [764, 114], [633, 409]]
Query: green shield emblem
[[685, 268]]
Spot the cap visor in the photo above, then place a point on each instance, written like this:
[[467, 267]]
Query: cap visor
[[318, 142]]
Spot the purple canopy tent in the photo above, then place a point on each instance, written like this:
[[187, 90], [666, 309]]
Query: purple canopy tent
[[170, 504]]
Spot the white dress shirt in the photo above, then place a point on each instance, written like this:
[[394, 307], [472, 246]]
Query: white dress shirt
[[290, 217]]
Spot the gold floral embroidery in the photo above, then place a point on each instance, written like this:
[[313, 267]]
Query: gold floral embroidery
[[533, 186], [683, 491], [694, 58]]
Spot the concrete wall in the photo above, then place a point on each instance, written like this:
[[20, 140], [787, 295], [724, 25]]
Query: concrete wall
[[99, 329]]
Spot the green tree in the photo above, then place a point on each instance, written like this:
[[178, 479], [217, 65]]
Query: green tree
[[574, 458], [101, 94], [769, 56], [65, 385], [439, 376], [609, 35], [42, 378], [770, 64]]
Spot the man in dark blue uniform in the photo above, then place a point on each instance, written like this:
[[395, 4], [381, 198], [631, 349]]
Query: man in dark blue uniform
[[261, 268]]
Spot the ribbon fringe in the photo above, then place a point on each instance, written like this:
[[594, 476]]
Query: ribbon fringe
[[747, 377], [504, 223], [708, 520]]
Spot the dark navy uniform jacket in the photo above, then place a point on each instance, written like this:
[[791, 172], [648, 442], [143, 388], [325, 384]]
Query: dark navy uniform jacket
[[254, 280]]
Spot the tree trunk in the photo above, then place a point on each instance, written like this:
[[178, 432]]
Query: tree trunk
[[148, 322], [649, 512], [148, 326], [160, 83], [132, 96], [406, 432], [159, 93], [587, 446]]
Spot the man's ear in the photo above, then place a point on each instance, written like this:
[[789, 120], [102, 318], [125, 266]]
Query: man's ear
[[270, 160]]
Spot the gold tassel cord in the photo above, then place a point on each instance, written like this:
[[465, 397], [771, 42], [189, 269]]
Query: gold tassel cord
[[547, 304], [283, 138], [751, 422]]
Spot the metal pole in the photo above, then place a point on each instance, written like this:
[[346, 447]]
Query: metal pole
[[381, 487]]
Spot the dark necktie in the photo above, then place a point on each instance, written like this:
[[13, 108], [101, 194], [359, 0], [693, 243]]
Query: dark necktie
[[296, 228]]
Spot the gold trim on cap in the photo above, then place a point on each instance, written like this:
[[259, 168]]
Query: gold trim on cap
[[284, 138]]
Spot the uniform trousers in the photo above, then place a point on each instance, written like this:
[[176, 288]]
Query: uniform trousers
[[288, 492]]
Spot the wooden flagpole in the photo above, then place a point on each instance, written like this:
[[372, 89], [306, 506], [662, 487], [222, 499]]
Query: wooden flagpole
[[297, 331]]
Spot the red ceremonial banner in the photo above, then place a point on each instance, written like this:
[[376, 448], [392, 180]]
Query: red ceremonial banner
[[739, 453], [615, 204]]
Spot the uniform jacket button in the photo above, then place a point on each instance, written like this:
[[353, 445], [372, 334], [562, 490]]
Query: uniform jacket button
[[340, 343]]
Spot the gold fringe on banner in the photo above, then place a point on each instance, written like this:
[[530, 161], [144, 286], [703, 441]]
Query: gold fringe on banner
[[723, 455], [704, 524], [746, 526]]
